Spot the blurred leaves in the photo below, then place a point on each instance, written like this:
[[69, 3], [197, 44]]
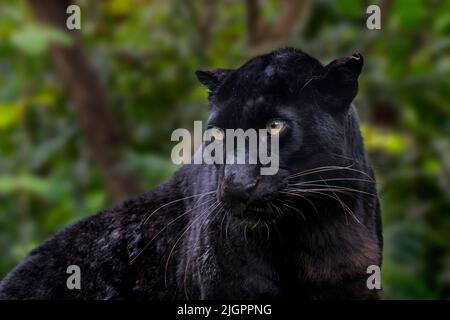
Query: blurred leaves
[[34, 39], [11, 113], [378, 139]]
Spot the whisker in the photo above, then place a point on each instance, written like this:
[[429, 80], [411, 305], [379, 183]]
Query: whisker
[[337, 179], [215, 204], [278, 212], [256, 224], [336, 188], [313, 170], [245, 233], [221, 224], [325, 169], [227, 239], [268, 231], [342, 203], [346, 157], [304, 218], [306, 191], [344, 206], [195, 246], [309, 201], [175, 201], [165, 227]]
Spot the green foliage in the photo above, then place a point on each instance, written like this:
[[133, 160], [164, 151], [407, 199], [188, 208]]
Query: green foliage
[[33, 39], [146, 53]]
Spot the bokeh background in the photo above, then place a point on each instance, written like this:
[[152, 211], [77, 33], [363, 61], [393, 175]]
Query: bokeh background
[[86, 117]]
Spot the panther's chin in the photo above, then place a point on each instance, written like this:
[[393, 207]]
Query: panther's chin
[[255, 214], [257, 210]]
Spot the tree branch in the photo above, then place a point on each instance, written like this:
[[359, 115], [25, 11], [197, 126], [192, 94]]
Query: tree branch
[[203, 14], [93, 114], [263, 36]]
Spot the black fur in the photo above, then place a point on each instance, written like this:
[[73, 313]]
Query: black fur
[[253, 243]]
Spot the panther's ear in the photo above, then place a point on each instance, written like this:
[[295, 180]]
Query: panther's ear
[[338, 84], [212, 78]]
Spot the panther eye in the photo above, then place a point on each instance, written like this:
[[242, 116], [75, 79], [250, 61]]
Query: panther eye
[[274, 127], [217, 133]]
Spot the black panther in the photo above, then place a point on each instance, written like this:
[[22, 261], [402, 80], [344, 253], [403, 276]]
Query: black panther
[[224, 231]]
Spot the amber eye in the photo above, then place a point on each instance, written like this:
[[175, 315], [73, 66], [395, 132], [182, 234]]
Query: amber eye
[[217, 133], [274, 127]]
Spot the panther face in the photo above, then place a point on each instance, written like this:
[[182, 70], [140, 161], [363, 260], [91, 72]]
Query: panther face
[[298, 100]]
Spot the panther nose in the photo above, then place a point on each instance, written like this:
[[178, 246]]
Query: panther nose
[[237, 191]]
